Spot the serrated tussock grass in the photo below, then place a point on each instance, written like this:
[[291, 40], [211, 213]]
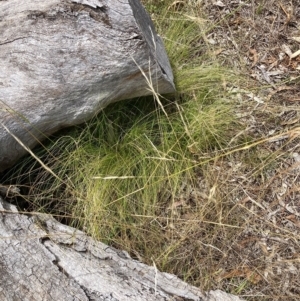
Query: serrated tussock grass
[[122, 175], [176, 180]]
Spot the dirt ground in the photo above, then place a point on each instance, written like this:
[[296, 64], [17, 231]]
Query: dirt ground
[[262, 40]]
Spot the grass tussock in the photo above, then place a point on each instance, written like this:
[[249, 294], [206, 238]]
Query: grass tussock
[[179, 181], [120, 177]]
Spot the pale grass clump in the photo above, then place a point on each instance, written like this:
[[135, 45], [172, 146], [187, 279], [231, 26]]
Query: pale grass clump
[[120, 176], [176, 182], [183, 182]]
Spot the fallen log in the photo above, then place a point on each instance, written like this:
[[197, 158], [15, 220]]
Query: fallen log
[[62, 61], [42, 259]]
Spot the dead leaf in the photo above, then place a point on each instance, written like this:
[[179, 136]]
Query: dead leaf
[[219, 3], [245, 272], [286, 49], [218, 51], [254, 57], [295, 54], [294, 220], [297, 39]]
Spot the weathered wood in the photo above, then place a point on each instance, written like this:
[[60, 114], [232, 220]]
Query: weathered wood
[[62, 61], [42, 259]]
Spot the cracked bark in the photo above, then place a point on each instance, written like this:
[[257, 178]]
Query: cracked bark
[[62, 61], [42, 259]]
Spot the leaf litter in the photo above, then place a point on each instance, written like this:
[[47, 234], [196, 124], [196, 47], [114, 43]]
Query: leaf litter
[[260, 39]]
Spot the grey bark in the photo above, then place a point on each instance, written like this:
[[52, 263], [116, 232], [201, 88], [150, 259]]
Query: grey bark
[[41, 259], [62, 61]]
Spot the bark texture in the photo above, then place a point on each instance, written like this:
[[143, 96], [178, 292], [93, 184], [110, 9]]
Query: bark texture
[[42, 259], [62, 61]]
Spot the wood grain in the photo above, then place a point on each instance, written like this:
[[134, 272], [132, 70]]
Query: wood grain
[[61, 62]]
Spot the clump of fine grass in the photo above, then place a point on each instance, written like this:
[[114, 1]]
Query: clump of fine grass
[[123, 173], [129, 173], [164, 187]]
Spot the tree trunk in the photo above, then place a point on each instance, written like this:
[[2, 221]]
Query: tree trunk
[[42, 259], [62, 61]]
